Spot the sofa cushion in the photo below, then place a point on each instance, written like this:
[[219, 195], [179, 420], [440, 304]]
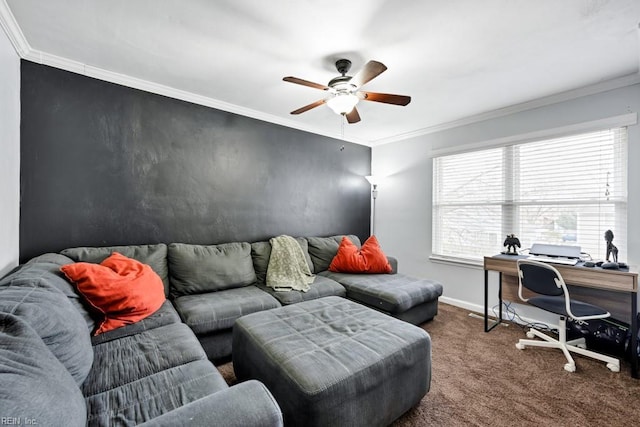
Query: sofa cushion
[[154, 395], [196, 269], [323, 249], [122, 289], [393, 293], [216, 311], [153, 255], [133, 357], [321, 287], [36, 387], [30, 296], [368, 259], [141, 376], [165, 315], [261, 253]]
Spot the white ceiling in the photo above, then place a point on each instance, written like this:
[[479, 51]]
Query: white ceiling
[[456, 59]]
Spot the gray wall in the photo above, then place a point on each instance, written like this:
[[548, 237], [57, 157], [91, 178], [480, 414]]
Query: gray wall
[[403, 211], [9, 154], [104, 164]]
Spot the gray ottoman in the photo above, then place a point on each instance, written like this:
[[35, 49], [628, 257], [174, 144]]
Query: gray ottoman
[[334, 362]]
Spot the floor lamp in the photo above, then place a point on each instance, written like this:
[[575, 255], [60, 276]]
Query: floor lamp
[[374, 181]]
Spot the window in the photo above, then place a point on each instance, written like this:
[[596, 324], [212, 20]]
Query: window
[[566, 190]]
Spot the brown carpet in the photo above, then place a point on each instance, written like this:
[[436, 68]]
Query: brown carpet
[[481, 379]]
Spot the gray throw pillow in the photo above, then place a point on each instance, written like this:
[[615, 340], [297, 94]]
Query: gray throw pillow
[[260, 254], [324, 249], [196, 269]]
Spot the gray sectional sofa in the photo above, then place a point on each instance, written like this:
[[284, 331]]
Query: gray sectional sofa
[[211, 286], [159, 370], [53, 372]]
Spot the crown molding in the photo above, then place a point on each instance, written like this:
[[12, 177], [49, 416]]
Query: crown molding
[[12, 29], [605, 86]]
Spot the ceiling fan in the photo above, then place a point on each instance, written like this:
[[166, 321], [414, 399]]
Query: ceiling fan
[[345, 91]]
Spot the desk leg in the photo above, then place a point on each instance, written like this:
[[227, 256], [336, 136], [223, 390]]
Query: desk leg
[[487, 328], [634, 335], [500, 296], [486, 301]]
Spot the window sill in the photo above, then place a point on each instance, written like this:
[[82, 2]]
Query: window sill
[[458, 262]]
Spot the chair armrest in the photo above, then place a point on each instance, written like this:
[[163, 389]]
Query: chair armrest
[[394, 264], [248, 404]]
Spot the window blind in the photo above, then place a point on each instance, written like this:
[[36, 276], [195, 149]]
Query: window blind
[[567, 190]]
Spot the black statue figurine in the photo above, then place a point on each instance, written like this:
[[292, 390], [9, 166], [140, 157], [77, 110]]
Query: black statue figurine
[[511, 242], [611, 248]]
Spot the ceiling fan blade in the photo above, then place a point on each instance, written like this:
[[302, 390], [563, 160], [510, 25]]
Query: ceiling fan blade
[[371, 70], [353, 116], [302, 82], [387, 98], [309, 107]]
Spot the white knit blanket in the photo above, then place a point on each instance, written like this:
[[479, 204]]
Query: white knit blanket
[[288, 270]]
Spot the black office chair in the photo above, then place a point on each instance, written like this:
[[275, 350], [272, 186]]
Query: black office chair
[[553, 296]]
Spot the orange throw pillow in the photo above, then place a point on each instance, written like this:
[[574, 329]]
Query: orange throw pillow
[[121, 288], [369, 259]]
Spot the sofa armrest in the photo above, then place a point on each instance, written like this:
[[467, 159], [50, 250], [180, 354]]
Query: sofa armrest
[[248, 404], [394, 264]]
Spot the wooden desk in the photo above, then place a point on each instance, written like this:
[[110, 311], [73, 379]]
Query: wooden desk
[[589, 277]]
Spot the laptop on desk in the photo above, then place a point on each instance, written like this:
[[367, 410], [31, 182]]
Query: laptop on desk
[[555, 254]]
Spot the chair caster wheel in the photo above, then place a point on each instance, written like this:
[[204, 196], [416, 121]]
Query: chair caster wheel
[[531, 335], [613, 367], [571, 367], [519, 346]]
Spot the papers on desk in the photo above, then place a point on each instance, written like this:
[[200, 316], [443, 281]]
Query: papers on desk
[[553, 260]]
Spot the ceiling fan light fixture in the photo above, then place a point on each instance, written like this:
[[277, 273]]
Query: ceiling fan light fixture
[[344, 91], [343, 102]]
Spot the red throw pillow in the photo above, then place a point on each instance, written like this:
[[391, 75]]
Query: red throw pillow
[[121, 288], [369, 259]]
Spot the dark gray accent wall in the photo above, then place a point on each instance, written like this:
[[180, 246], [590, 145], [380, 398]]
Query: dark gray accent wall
[[103, 164]]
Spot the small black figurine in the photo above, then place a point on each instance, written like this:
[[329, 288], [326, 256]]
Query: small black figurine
[[611, 248], [511, 242]]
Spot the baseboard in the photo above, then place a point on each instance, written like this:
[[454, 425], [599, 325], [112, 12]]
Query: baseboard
[[462, 304], [477, 308]]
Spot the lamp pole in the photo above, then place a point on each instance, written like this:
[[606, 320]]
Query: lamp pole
[[373, 180], [374, 195]]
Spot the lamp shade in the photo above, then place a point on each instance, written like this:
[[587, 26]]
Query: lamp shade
[[343, 102], [373, 179]]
